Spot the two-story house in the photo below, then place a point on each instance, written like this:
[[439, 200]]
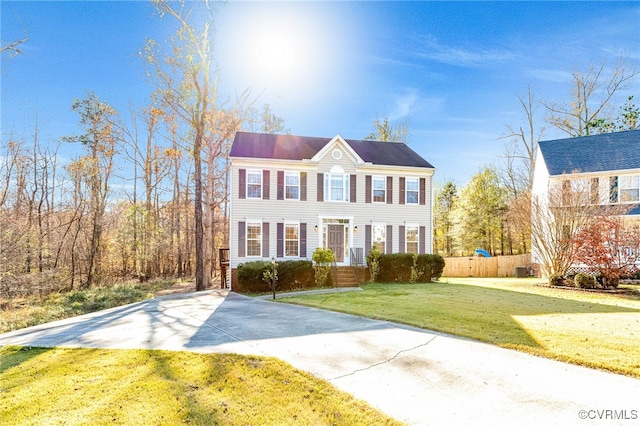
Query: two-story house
[[292, 194], [604, 170]]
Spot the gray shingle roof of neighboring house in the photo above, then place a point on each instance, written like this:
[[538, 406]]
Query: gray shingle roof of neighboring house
[[597, 153], [290, 147]]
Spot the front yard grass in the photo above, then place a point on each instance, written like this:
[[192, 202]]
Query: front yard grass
[[95, 386], [591, 329], [27, 311]]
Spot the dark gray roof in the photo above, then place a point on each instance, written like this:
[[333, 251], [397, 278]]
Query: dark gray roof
[[290, 147], [597, 153], [635, 209]]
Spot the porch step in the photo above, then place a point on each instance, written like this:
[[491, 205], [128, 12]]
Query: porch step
[[345, 277]]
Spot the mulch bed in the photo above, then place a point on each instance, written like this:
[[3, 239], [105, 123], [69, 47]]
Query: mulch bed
[[635, 291]]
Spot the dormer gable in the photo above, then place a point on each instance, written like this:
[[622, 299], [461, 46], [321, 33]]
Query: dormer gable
[[336, 148]]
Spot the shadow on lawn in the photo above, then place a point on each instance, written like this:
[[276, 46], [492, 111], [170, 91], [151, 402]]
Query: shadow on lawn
[[11, 356], [184, 391]]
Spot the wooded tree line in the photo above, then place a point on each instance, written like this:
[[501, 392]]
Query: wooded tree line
[[147, 194], [493, 211], [121, 209]]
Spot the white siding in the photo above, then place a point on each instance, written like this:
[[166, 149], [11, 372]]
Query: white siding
[[310, 211]]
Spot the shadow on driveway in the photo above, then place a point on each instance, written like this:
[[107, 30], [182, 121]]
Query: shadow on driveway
[[416, 376]]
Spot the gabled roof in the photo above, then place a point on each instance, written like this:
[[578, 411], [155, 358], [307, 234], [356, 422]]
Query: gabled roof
[[290, 147], [591, 154]]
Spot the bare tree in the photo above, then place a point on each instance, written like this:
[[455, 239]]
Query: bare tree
[[13, 48], [97, 118], [186, 86], [518, 220], [572, 204], [217, 148], [592, 93], [265, 121], [520, 150], [385, 131]]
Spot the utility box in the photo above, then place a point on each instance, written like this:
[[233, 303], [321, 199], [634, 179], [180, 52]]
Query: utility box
[[522, 271]]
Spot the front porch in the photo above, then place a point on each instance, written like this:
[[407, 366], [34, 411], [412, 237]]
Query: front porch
[[352, 274]]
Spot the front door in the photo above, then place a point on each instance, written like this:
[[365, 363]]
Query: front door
[[335, 235]]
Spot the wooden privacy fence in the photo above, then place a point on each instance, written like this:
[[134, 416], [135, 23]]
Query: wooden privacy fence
[[497, 266]]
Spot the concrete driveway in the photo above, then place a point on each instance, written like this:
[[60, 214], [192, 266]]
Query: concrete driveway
[[414, 375]]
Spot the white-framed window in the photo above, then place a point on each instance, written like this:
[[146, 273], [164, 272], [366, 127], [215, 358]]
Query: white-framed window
[[292, 185], [576, 192], [412, 190], [254, 183], [379, 189], [336, 187], [291, 239], [379, 236], [629, 188], [411, 238], [254, 239]]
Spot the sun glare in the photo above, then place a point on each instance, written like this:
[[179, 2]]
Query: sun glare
[[279, 49], [276, 54]]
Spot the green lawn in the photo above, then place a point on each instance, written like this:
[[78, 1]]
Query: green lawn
[[140, 387], [592, 329]]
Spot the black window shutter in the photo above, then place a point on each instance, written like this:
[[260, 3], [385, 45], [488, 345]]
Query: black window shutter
[[265, 184], [265, 239], [352, 188], [241, 238], [303, 186], [402, 189], [242, 183], [401, 237], [389, 189], [303, 240], [367, 189], [595, 188], [423, 240], [367, 240], [613, 189], [280, 185], [388, 236], [423, 191], [280, 239], [320, 187]]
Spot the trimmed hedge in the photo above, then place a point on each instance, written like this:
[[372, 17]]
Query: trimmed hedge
[[397, 267], [292, 275], [585, 281]]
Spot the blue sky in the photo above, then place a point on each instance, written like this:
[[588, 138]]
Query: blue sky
[[452, 69]]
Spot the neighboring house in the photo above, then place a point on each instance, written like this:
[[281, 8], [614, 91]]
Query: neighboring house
[[292, 194], [605, 168]]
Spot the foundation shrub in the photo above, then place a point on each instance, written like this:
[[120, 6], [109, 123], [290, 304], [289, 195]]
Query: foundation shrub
[[295, 274], [292, 275], [398, 266], [584, 281], [557, 280]]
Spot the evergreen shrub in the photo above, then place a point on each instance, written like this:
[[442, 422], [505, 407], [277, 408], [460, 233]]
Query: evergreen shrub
[[398, 266], [292, 275]]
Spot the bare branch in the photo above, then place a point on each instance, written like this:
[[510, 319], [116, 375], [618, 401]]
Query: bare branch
[[13, 47]]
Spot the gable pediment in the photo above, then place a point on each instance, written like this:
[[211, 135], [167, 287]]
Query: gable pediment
[[336, 149]]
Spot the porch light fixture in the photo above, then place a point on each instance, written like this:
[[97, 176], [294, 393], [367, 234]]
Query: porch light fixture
[[315, 228], [355, 228]]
